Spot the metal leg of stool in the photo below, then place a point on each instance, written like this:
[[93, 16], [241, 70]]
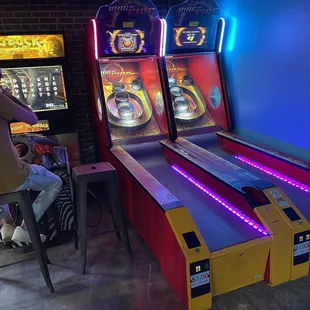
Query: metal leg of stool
[[81, 204], [38, 247], [55, 214], [76, 239], [114, 222], [46, 258], [113, 208], [121, 217], [76, 228], [112, 212]]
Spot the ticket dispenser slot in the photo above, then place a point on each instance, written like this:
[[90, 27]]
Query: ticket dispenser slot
[[291, 214], [191, 240]]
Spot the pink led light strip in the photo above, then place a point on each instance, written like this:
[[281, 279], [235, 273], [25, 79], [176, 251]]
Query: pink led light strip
[[274, 173], [95, 38], [163, 38], [222, 201]]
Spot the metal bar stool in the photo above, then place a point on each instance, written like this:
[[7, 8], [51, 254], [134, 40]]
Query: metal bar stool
[[25, 205], [99, 172]]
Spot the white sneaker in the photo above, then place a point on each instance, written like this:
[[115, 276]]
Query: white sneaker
[[7, 231], [22, 235]]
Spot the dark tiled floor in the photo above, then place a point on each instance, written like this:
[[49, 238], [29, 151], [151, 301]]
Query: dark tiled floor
[[113, 282]]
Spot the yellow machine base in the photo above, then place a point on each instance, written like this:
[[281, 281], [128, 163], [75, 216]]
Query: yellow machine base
[[239, 265]]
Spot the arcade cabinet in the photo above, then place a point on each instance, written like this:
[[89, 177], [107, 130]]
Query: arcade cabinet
[[200, 110], [34, 71], [200, 239]]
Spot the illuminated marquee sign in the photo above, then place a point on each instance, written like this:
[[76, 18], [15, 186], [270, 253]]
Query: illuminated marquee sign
[[20, 127], [199, 10], [132, 10], [31, 46]]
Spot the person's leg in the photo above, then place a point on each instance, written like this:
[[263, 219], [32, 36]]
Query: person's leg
[[49, 185], [46, 182], [6, 222]]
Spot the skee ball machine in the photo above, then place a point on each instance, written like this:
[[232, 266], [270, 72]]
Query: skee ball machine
[[130, 97], [200, 110]]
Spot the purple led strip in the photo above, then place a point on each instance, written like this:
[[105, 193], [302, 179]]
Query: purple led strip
[[274, 173], [222, 201]]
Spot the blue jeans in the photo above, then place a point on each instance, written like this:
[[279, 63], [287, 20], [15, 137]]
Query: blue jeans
[[39, 180]]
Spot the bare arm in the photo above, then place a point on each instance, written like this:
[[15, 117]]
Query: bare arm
[[21, 112]]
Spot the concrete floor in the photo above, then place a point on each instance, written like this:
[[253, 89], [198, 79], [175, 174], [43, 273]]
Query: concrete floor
[[113, 282]]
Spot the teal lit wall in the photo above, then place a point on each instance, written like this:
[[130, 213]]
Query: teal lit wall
[[267, 68]]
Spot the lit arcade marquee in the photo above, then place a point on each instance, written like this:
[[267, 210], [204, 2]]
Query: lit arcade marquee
[[31, 46]]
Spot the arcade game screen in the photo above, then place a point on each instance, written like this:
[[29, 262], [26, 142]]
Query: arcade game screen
[[41, 88], [187, 37], [194, 80], [133, 98], [126, 41]]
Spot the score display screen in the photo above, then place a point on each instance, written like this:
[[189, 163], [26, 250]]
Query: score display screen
[[41, 88], [126, 41], [189, 37]]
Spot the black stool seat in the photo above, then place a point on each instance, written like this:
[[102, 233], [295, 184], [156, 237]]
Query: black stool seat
[[99, 172], [23, 200]]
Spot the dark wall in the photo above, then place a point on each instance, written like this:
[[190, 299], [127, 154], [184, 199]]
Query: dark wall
[[72, 17]]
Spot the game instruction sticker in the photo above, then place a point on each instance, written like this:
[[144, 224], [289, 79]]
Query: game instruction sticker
[[279, 198], [301, 248], [200, 279]]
